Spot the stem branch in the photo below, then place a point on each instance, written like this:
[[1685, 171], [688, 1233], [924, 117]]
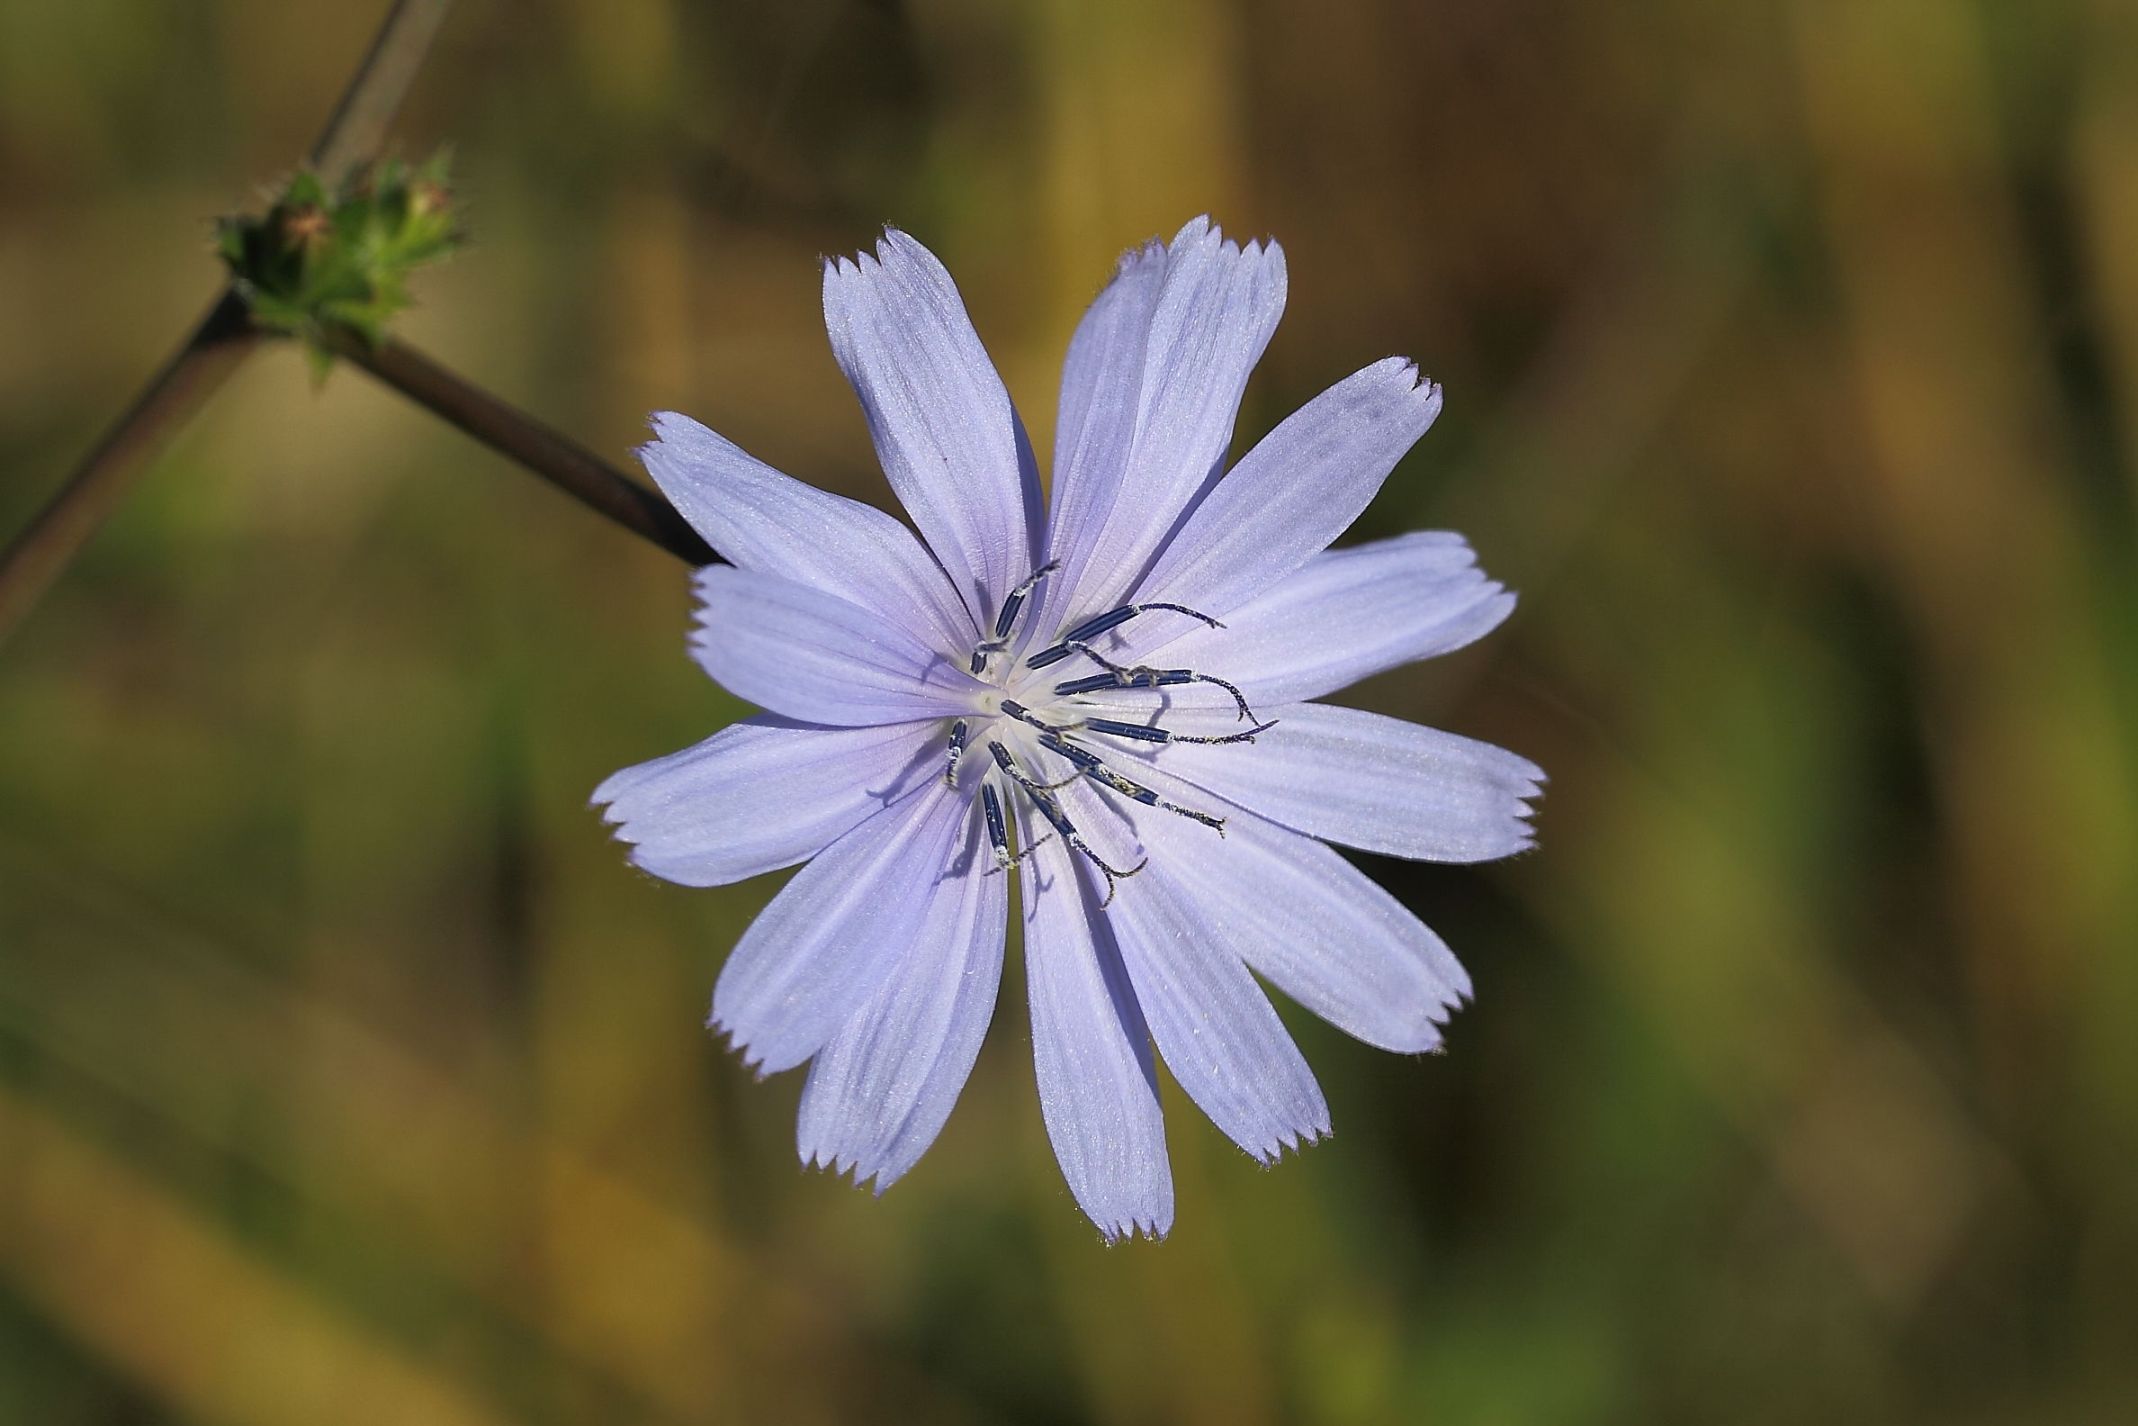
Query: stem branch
[[357, 131], [217, 347], [37, 556], [513, 433]]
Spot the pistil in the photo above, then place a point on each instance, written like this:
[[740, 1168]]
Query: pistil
[[1062, 729]]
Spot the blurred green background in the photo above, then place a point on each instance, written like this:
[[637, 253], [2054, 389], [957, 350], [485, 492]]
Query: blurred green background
[[347, 1074]]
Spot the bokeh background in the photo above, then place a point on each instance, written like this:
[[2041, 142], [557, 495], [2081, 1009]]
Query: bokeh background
[[347, 1074]]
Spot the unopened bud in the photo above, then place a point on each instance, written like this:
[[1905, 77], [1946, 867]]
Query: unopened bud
[[321, 261]]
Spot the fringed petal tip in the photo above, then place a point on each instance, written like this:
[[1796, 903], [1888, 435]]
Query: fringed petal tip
[[730, 1040], [1492, 604], [1404, 379], [840, 267], [1432, 1038], [848, 1166], [1440, 1016], [1202, 229], [604, 798], [1403, 368], [1522, 814], [669, 426], [1149, 250], [1148, 1229], [1270, 1154], [1460, 997], [633, 837], [613, 801], [701, 585], [1516, 773], [1521, 783], [624, 817], [892, 244], [673, 436]]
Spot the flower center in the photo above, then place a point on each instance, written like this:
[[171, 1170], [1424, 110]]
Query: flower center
[[1064, 725]]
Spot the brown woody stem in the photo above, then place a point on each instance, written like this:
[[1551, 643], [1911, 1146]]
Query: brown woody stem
[[57, 533], [45, 548], [511, 432]]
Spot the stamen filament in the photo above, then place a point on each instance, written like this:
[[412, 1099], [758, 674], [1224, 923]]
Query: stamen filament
[[1144, 676], [1006, 618], [1023, 714], [1049, 808], [1152, 733], [998, 835], [1100, 623], [1054, 736], [1089, 765]]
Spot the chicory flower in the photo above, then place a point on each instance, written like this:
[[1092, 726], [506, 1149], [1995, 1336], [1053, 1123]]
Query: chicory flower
[[1110, 695]]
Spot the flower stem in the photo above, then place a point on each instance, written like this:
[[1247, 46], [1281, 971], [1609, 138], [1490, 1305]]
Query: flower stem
[[511, 432], [358, 127], [37, 556], [222, 341]]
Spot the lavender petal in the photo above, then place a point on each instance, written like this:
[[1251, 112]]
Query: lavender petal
[[1217, 1031], [759, 519], [826, 943], [1098, 1085], [1297, 490], [1102, 384], [944, 429], [762, 794], [1314, 925], [880, 1091], [1368, 781], [811, 656], [1218, 305], [1342, 616]]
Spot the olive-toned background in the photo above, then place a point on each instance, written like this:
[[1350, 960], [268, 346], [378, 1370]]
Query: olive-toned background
[[347, 1074]]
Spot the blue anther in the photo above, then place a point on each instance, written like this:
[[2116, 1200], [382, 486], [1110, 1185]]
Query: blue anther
[[1141, 732], [1055, 743], [997, 832], [1146, 733], [1141, 677], [1093, 627], [1051, 809], [957, 751], [1089, 764], [1007, 619], [1022, 714], [1098, 624], [1129, 678], [1092, 684]]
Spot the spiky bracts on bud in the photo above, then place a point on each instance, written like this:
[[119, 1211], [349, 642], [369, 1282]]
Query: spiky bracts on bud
[[327, 259]]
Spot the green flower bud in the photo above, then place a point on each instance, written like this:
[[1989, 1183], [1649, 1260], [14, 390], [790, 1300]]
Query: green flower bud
[[320, 261]]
